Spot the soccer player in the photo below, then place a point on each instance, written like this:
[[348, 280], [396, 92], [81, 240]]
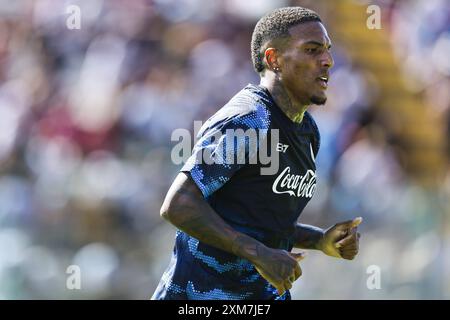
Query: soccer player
[[237, 226]]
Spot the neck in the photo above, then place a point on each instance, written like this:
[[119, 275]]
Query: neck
[[290, 107]]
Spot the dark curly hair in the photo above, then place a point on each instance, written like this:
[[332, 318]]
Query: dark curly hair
[[276, 25]]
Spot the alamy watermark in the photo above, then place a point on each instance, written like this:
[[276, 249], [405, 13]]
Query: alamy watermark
[[374, 19], [73, 281], [229, 147], [374, 279], [73, 21]]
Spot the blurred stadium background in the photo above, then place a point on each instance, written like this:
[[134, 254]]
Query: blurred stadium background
[[86, 118]]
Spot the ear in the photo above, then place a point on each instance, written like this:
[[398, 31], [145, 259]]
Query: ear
[[271, 57]]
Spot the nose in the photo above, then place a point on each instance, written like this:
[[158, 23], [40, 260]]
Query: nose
[[327, 60]]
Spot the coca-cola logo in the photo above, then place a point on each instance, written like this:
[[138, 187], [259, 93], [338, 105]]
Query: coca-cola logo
[[294, 184]]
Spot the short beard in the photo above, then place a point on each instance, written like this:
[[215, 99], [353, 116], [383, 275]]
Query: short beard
[[318, 100]]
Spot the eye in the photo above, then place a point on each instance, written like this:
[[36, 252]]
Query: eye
[[311, 50]]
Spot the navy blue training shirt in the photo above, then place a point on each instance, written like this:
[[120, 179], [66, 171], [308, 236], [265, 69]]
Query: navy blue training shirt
[[263, 206]]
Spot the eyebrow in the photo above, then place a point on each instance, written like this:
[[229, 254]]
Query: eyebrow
[[320, 44]]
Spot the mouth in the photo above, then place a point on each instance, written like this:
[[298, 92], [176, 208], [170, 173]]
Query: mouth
[[323, 81]]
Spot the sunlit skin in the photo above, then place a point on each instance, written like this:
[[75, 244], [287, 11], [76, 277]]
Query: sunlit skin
[[294, 67]]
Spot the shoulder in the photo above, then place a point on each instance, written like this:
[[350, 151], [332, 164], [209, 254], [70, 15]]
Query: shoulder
[[248, 109]]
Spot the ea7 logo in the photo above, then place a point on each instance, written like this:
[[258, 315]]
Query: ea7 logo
[[282, 147]]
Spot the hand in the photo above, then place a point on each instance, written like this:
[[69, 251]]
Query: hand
[[341, 240], [279, 267]]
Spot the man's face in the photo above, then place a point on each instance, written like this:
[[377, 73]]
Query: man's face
[[305, 63]]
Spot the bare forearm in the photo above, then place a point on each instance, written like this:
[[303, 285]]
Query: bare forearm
[[185, 208], [308, 237]]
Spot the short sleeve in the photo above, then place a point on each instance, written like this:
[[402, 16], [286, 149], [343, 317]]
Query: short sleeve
[[226, 142]]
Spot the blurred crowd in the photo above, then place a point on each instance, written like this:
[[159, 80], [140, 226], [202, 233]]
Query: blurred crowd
[[85, 147]]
